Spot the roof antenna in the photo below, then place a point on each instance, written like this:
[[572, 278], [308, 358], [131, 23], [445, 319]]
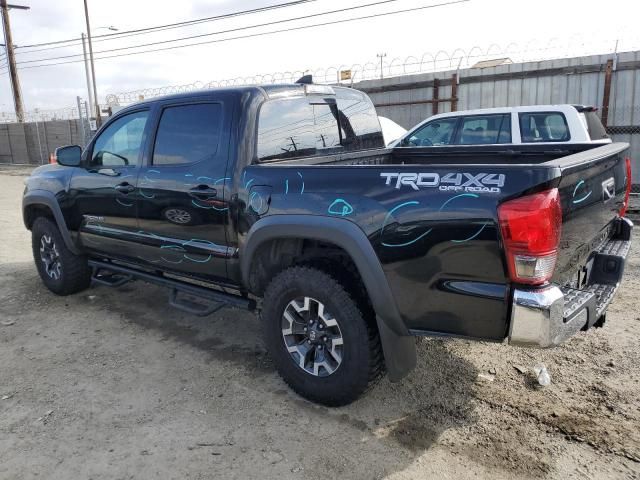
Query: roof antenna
[[305, 79]]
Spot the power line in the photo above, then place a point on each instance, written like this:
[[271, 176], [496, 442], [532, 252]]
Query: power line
[[257, 34], [191, 37], [186, 23]]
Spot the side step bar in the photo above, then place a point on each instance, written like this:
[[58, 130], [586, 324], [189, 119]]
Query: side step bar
[[119, 275]]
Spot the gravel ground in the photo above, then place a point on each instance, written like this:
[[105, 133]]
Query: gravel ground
[[111, 383]]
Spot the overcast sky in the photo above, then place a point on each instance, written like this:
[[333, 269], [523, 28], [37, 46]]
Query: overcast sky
[[463, 25]]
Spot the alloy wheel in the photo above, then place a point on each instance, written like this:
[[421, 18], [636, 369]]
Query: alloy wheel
[[50, 257], [312, 336]]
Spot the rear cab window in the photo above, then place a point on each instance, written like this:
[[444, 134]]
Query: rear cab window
[[594, 126], [316, 125], [484, 130], [539, 127]]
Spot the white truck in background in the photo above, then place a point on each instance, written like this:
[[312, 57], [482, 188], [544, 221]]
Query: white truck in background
[[538, 124]]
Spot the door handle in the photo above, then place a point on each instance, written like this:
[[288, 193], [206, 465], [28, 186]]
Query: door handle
[[125, 187], [203, 191]]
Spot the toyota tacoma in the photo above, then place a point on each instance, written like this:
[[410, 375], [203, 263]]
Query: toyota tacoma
[[284, 200]]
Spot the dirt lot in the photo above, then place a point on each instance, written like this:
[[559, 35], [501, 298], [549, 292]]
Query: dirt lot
[[111, 383]]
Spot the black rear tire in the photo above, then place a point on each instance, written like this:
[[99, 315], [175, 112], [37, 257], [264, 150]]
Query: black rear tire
[[361, 360], [61, 271]]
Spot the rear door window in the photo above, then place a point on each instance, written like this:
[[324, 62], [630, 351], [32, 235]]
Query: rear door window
[[543, 127], [188, 134], [484, 130], [435, 133]]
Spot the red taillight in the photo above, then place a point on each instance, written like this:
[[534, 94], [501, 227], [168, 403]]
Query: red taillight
[[531, 228], [627, 192]]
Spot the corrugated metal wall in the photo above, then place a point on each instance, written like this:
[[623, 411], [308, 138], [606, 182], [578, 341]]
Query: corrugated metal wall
[[576, 80]]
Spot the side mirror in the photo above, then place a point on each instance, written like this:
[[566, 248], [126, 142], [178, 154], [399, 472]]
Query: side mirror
[[69, 156]]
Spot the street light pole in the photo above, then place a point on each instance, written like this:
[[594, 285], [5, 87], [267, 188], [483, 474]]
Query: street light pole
[[86, 73], [93, 68], [11, 59]]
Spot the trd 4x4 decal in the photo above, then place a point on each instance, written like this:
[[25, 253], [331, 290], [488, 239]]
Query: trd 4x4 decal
[[450, 182]]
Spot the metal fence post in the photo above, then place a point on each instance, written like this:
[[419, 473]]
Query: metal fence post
[[39, 142], [84, 138], [606, 94]]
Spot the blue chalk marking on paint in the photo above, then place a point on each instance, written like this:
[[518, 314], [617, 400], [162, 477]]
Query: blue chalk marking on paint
[[221, 180], [209, 208], [575, 190], [286, 187], [472, 236], [252, 197], [246, 185], [386, 219], [198, 240], [340, 207], [407, 243], [202, 178], [146, 195], [173, 247], [472, 195], [300, 175]]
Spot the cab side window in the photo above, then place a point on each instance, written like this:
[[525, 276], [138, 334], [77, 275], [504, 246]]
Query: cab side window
[[544, 127], [120, 144], [485, 130], [435, 133]]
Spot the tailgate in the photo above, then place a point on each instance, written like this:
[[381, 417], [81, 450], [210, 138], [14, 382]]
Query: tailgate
[[592, 192]]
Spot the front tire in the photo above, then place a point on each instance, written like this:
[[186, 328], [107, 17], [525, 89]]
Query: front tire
[[322, 346], [61, 270]]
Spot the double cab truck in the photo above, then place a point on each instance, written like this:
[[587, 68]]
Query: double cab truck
[[283, 199]]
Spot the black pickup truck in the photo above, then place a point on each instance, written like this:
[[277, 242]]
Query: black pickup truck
[[283, 199]]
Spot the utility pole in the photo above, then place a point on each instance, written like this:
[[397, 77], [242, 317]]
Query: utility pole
[[86, 74], [381, 56], [93, 68], [11, 59]]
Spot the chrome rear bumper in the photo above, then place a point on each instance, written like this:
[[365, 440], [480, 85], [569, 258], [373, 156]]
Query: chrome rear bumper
[[548, 316]]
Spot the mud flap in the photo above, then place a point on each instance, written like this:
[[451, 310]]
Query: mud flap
[[399, 351]]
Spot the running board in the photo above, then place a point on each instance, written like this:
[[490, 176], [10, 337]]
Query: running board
[[117, 275]]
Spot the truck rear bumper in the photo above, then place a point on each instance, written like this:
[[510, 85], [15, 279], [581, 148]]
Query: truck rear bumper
[[549, 316]]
